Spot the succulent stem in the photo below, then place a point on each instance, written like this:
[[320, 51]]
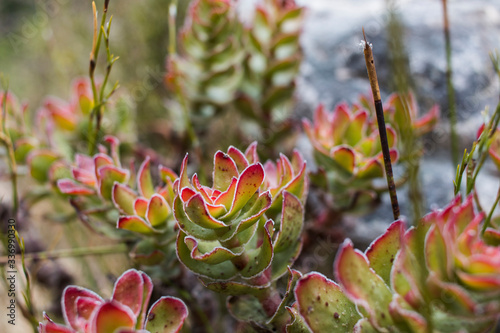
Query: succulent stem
[[372, 75]]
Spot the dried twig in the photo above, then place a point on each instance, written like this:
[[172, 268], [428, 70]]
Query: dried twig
[[372, 75]]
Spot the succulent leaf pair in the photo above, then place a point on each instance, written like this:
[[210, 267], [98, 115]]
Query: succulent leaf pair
[[126, 312]]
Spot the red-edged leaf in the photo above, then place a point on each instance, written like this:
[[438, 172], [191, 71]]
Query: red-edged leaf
[[356, 128], [147, 291], [238, 157], [340, 123], [344, 156], [84, 176], [144, 180], [362, 285], [292, 219], [101, 160], [158, 210], [212, 254], [141, 207], [114, 145], [123, 198], [183, 177], [251, 153], [69, 303], [129, 290], [382, 251], [372, 169], [51, 327], [167, 173], [480, 282], [248, 183], [323, 305], [111, 316], [226, 198], [85, 307], [85, 162], [167, 315], [135, 224], [108, 175], [198, 213], [68, 186], [224, 171]]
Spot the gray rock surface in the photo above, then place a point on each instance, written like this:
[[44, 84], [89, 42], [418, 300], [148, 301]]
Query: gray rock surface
[[334, 71]]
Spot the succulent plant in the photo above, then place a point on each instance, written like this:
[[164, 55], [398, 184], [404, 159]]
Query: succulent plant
[[86, 312], [440, 276], [208, 72], [225, 236], [96, 176], [347, 149], [273, 59]]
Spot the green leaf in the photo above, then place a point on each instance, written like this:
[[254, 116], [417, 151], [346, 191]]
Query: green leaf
[[108, 175], [292, 218], [39, 162], [224, 170], [123, 198], [167, 315], [363, 285], [382, 252], [144, 180], [222, 271], [323, 305]]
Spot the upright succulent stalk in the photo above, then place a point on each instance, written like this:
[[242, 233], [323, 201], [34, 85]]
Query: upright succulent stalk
[[273, 60], [207, 72]]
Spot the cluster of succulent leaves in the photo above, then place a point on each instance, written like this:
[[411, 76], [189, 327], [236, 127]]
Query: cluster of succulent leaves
[[59, 129], [347, 147], [126, 312], [439, 276], [226, 65]]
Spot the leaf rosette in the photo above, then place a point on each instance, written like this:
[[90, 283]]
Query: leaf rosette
[[86, 312], [225, 236]]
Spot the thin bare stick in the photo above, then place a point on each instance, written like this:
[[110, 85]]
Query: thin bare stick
[[372, 75]]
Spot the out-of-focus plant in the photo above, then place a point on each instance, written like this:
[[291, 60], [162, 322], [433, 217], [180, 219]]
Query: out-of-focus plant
[[347, 148], [108, 196], [223, 65], [85, 311], [227, 239], [438, 277], [272, 64]]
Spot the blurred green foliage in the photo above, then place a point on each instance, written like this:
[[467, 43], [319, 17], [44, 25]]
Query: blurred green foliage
[[44, 44]]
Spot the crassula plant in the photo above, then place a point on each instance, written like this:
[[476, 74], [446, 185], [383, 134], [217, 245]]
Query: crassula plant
[[127, 311], [347, 150], [132, 201], [438, 277], [225, 236]]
